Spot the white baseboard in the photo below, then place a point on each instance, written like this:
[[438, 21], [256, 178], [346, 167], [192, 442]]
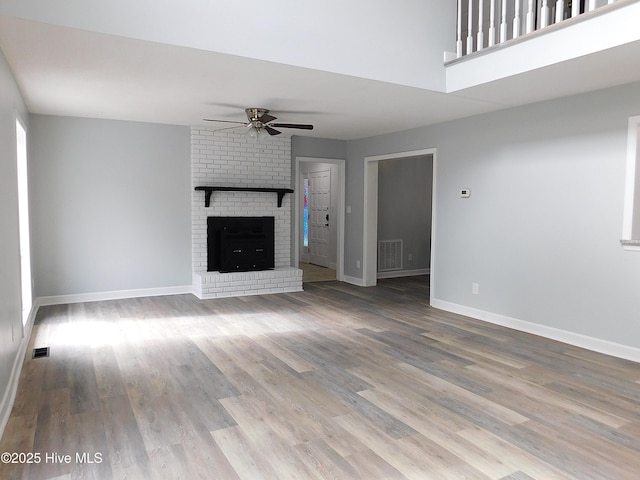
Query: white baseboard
[[359, 282], [114, 295], [403, 273], [571, 338], [9, 396]]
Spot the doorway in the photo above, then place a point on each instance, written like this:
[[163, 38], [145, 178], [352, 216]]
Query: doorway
[[319, 215], [370, 233]]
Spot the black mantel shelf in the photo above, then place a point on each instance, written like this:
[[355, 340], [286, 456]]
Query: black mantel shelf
[[209, 190]]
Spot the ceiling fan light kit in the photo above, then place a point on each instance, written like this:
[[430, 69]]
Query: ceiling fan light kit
[[260, 126], [257, 134]]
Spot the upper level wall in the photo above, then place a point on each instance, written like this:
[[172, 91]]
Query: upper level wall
[[399, 42]]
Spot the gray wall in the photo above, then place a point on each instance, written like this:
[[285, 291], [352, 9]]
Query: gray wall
[[540, 232], [11, 103], [317, 147], [404, 207], [111, 205]]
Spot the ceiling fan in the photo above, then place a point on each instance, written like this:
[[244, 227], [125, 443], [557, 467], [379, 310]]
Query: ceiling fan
[[260, 123]]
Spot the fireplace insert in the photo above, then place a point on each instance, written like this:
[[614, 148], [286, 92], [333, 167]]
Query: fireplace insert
[[240, 244]]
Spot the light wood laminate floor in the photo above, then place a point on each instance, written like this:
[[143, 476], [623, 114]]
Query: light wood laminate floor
[[315, 273], [336, 382]]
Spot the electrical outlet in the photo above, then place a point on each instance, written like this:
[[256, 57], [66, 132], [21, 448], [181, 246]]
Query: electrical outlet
[[357, 263], [475, 288], [410, 257]]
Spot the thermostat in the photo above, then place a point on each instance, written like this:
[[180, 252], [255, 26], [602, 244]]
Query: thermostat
[[465, 192]]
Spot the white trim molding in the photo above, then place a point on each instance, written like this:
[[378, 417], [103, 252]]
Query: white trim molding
[[9, 397], [404, 273], [114, 295], [571, 338], [358, 282], [631, 218]]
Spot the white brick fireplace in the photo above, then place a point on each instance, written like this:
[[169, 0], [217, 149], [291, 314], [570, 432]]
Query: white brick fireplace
[[229, 159]]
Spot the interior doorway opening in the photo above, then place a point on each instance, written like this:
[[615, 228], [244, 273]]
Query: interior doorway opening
[[371, 194], [319, 217]]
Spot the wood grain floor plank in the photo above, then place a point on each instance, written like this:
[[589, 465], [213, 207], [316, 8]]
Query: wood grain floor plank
[[441, 462], [324, 461], [431, 429], [369, 465], [127, 454], [247, 460], [287, 356], [169, 462], [513, 455], [407, 463], [467, 397], [411, 406], [265, 423], [206, 460]]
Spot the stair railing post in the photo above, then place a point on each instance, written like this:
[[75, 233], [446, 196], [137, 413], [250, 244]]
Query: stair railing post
[[459, 31], [492, 23], [559, 10], [544, 14], [516, 19], [530, 18], [480, 37], [470, 28], [503, 23], [575, 8]]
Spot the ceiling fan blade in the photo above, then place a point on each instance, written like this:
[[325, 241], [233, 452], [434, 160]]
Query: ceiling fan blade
[[293, 125], [266, 118], [228, 128], [223, 121], [271, 131]]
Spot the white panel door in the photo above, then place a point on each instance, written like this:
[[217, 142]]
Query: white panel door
[[319, 206]]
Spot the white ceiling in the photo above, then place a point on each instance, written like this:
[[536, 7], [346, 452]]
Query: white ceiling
[[65, 71]]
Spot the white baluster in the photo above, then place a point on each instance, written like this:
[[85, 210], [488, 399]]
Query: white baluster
[[503, 23], [530, 18], [492, 24], [470, 28], [592, 5], [575, 8], [480, 20], [459, 31], [559, 10], [544, 14], [516, 20]]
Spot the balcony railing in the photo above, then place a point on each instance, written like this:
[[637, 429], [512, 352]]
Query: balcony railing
[[485, 23]]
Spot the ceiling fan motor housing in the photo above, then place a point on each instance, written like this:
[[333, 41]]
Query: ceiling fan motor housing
[[254, 114]]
